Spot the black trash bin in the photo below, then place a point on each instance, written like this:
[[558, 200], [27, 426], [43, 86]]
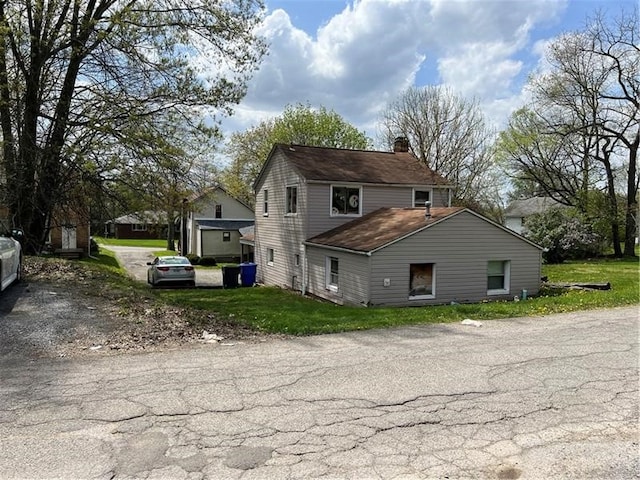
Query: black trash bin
[[230, 274], [248, 274]]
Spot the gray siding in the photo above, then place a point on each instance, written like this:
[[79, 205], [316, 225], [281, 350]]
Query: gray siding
[[460, 248], [353, 272], [283, 233], [213, 244], [373, 198]]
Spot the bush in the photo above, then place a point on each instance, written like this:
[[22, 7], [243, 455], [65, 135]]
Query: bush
[[193, 258], [208, 262], [563, 234]]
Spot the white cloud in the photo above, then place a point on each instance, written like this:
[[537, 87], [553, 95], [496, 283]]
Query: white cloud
[[372, 50]]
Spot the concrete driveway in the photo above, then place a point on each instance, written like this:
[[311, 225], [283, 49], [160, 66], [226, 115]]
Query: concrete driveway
[[134, 260], [530, 398]]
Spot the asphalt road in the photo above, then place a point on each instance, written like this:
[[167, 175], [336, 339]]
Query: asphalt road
[[135, 259], [532, 398]]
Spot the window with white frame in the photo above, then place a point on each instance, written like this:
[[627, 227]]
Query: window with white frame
[[292, 200], [420, 197], [218, 211], [139, 227], [270, 256], [265, 203], [332, 274], [226, 236], [296, 259], [345, 200], [422, 280], [498, 277]]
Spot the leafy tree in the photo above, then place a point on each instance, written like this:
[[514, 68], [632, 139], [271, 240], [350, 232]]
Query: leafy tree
[[300, 124], [87, 76], [582, 129], [563, 234], [448, 134]]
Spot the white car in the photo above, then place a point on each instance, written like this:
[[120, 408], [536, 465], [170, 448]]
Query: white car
[[10, 257], [173, 269]]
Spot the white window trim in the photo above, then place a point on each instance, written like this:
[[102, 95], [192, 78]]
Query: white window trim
[[139, 227], [345, 215], [296, 259], [286, 201], [215, 211], [507, 278], [327, 274], [433, 286], [271, 253], [413, 196], [265, 202]]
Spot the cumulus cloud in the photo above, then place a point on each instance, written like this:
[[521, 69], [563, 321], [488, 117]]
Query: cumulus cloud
[[373, 49]]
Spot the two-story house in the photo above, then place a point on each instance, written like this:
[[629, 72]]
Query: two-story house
[[213, 220], [377, 228]]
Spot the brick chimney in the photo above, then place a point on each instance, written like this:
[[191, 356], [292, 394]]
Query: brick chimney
[[401, 144]]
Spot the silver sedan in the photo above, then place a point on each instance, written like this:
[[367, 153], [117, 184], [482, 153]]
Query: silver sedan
[[171, 270]]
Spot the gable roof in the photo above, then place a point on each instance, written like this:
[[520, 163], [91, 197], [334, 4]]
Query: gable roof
[[385, 226], [210, 192], [323, 164], [529, 206]]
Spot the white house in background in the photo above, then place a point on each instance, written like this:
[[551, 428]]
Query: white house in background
[[213, 222], [377, 228], [518, 211]]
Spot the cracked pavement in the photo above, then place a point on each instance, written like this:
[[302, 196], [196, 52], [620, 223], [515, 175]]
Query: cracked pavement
[[550, 397]]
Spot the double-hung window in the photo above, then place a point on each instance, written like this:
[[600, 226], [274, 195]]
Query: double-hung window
[[346, 200], [498, 277], [420, 197], [218, 213], [332, 274], [265, 203], [226, 236], [292, 200]]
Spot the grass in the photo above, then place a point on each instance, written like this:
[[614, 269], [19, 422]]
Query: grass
[[150, 243], [279, 311]]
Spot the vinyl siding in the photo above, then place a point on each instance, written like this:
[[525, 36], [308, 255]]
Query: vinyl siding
[[231, 208], [283, 233], [213, 245], [373, 198], [353, 272], [460, 248]]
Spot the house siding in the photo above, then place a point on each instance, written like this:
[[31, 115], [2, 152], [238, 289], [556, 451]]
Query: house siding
[[353, 285], [213, 245], [284, 233], [373, 198], [231, 208], [460, 248]]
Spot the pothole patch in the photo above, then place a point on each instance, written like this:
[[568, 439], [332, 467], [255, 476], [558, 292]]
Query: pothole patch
[[247, 458]]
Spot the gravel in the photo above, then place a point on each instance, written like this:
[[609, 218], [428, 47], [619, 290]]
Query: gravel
[[64, 308]]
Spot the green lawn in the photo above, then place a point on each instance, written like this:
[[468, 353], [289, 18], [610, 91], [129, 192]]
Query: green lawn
[[280, 311], [153, 243]]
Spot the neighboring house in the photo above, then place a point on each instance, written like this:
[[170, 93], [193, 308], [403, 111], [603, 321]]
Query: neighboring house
[[213, 223], [518, 211], [351, 226], [138, 225]]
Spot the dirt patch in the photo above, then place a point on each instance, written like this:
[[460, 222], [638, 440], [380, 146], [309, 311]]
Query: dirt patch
[[65, 308]]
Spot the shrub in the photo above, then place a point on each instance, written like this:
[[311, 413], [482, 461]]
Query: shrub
[[208, 262], [563, 234], [193, 258]]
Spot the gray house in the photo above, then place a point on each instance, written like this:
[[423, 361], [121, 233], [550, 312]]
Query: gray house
[[518, 211], [213, 221], [351, 226]]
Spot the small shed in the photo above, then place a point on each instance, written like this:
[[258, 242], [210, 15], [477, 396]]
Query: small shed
[[413, 256]]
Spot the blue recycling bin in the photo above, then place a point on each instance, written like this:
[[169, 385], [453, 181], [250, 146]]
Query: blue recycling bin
[[248, 274]]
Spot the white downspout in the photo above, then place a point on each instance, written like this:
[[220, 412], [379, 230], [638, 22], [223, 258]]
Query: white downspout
[[303, 259]]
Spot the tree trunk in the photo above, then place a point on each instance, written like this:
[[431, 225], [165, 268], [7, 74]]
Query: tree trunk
[[631, 219], [613, 206]]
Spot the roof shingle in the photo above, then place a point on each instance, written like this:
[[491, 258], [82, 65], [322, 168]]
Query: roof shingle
[[360, 166], [381, 227]]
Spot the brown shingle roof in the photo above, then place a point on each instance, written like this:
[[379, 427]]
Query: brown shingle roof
[[381, 227], [361, 166]]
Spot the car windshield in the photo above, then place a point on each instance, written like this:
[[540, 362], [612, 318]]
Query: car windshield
[[174, 261]]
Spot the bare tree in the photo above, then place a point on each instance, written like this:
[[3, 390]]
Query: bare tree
[[79, 75], [448, 134], [586, 112]]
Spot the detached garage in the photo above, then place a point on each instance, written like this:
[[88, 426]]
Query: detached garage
[[413, 256], [220, 239]]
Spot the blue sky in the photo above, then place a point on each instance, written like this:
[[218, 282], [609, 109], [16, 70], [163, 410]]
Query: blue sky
[[355, 56]]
